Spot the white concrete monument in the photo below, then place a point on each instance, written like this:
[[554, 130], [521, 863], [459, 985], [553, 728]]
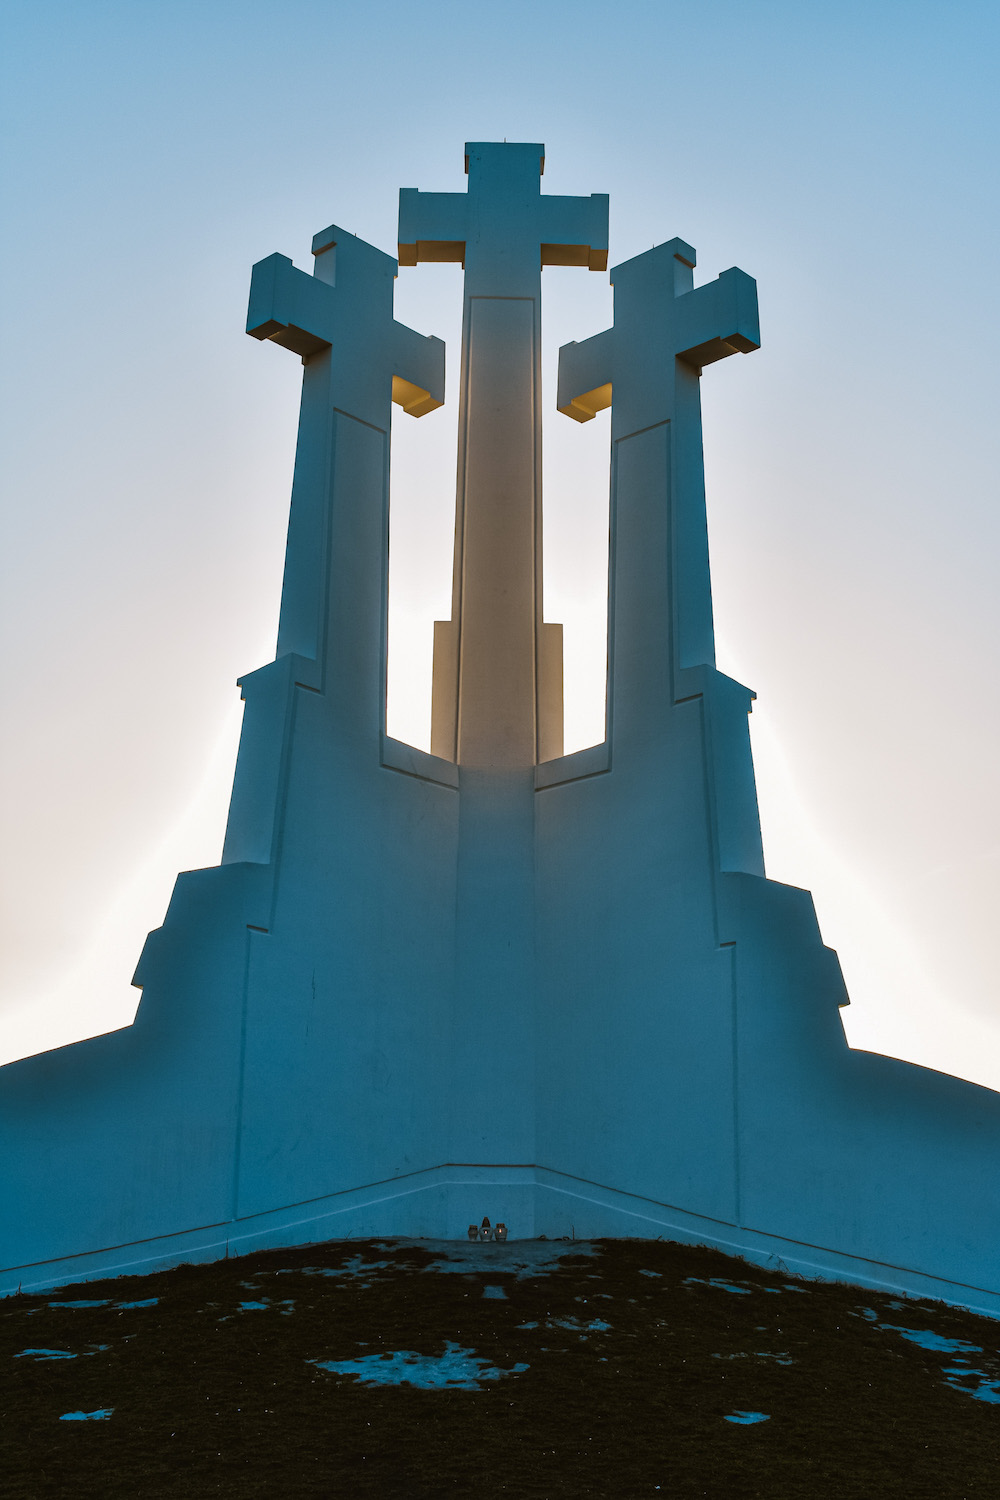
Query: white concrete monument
[[496, 980]]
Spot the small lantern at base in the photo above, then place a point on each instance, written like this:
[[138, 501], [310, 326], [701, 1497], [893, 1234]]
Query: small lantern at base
[[473, 1232], [500, 1232]]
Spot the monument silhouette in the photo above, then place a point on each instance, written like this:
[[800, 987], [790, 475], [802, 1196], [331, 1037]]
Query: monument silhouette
[[555, 990]]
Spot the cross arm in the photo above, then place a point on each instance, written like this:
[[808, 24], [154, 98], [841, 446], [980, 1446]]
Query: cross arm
[[432, 226], [290, 308], [718, 319], [575, 231], [418, 371], [584, 386]]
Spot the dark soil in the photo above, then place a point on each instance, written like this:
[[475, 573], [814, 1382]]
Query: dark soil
[[632, 1362]]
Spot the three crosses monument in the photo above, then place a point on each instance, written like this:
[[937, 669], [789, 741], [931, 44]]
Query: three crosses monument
[[557, 990]]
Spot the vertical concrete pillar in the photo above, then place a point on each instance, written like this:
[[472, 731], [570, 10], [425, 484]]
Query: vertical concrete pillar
[[497, 706], [497, 665]]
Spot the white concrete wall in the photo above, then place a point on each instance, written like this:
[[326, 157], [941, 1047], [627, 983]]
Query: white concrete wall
[[563, 994]]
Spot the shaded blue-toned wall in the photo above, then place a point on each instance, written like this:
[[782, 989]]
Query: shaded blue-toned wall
[[562, 994]]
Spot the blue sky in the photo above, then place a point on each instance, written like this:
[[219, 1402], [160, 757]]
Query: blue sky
[[843, 154]]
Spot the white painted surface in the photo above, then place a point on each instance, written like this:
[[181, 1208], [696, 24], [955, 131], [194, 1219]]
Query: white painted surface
[[573, 1004]]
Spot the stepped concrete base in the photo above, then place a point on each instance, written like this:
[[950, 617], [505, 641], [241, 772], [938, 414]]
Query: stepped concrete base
[[440, 1203]]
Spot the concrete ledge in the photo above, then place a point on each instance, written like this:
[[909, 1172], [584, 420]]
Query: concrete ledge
[[413, 762], [442, 1201], [592, 761], [601, 1212]]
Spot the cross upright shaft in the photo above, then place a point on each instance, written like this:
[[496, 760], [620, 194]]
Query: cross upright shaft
[[497, 668]]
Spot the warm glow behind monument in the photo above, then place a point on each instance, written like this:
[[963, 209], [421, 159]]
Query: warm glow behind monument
[[555, 989]]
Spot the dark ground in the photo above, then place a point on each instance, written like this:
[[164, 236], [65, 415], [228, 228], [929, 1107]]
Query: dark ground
[[631, 1355]]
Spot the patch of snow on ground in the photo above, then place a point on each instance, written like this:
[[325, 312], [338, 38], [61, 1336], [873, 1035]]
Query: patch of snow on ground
[[455, 1369]]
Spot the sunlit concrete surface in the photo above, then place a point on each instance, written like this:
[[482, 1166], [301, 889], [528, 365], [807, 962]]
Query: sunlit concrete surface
[[554, 989]]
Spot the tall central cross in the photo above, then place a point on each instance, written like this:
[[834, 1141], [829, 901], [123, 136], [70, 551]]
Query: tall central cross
[[497, 667]]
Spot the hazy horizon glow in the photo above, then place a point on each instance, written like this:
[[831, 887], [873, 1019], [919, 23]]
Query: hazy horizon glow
[[843, 157]]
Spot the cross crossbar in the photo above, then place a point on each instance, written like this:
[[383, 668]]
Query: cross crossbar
[[504, 204], [698, 326], [307, 314], [289, 308]]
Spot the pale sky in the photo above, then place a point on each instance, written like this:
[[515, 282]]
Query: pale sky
[[844, 155]]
